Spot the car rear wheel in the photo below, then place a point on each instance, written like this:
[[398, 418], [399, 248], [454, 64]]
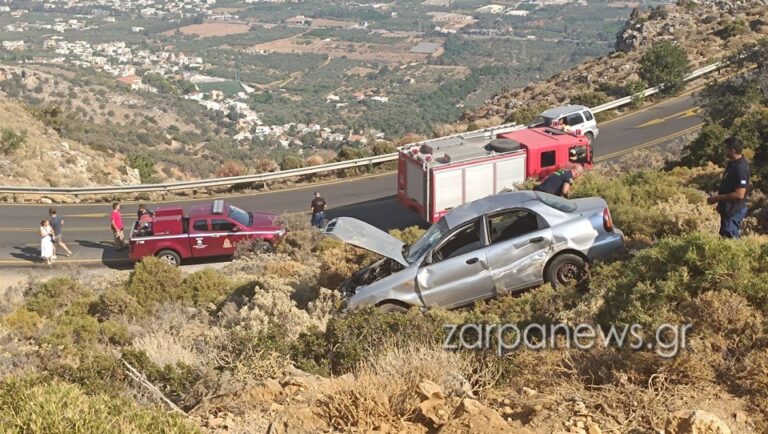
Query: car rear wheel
[[170, 257], [566, 269], [590, 136], [392, 307]]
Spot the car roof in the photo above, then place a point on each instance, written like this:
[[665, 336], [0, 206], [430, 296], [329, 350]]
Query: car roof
[[560, 111], [488, 204]]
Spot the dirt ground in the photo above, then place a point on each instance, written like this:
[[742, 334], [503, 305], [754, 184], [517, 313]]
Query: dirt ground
[[391, 53], [211, 29]]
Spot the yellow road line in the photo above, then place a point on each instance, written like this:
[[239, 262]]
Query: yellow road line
[[651, 143], [682, 114]]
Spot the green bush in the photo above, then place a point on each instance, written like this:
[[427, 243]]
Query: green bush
[[23, 321], [383, 148], [707, 147], [35, 405], [590, 99], [291, 162], [52, 297], [154, 281], [11, 140], [114, 302], [205, 287], [408, 235], [648, 288], [665, 63], [175, 381], [145, 164]]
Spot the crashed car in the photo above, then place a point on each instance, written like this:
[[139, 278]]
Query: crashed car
[[500, 244]]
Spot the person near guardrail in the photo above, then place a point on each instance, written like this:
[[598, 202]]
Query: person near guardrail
[[731, 198], [57, 222], [116, 220], [559, 182], [318, 205]]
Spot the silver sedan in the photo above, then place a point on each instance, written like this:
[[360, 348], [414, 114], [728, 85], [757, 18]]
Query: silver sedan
[[500, 244]]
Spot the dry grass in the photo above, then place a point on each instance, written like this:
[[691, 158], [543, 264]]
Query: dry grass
[[166, 349]]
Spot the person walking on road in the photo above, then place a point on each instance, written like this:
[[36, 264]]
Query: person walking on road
[[731, 198], [117, 226], [318, 210], [559, 183], [57, 222], [46, 241]]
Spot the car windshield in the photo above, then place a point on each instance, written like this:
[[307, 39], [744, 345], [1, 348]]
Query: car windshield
[[433, 235], [556, 202], [239, 216]]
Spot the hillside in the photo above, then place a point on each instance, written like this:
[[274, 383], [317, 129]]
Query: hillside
[[707, 30], [44, 158]]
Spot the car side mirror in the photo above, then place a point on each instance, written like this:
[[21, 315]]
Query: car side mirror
[[236, 229]]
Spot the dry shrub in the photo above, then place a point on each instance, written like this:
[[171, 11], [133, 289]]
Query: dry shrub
[[165, 349], [266, 165], [724, 314], [230, 168], [386, 387], [315, 160], [681, 216], [408, 235]]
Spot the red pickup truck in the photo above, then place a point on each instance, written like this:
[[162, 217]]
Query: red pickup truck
[[209, 230]]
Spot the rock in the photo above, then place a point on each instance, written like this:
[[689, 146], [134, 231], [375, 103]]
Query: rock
[[430, 390], [593, 428], [298, 420], [577, 430], [46, 200], [695, 422], [472, 416], [529, 392], [740, 417]]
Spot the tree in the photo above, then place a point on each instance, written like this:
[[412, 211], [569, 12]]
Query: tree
[[665, 63], [707, 147], [291, 162], [145, 164]]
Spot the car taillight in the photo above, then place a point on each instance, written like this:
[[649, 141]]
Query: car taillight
[[607, 221]]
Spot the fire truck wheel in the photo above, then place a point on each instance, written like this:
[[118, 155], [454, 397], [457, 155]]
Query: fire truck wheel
[[170, 257], [565, 269], [589, 137]]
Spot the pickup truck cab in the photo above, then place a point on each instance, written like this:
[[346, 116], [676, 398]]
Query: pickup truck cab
[[208, 231], [576, 118]]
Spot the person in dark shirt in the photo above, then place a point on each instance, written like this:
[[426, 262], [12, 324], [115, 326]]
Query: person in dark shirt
[[318, 210], [731, 198], [559, 182], [56, 224]]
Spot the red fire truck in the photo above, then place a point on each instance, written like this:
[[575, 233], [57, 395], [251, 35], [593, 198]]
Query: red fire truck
[[437, 175], [209, 230]]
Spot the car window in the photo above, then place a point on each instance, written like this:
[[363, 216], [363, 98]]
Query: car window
[[575, 119], [200, 225], [556, 202], [548, 159], [578, 154], [511, 224], [221, 225], [588, 115], [430, 238], [465, 240]]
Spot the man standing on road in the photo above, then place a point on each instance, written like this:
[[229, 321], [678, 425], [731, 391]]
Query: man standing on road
[[56, 224], [559, 182], [731, 198], [318, 210], [117, 226]]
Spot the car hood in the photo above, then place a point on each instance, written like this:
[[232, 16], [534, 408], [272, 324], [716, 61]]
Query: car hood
[[262, 219], [360, 234]]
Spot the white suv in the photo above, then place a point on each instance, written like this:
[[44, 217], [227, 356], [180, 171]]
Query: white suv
[[574, 117]]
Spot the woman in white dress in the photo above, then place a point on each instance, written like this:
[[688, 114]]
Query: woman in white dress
[[46, 241]]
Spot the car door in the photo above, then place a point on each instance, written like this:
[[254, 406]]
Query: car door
[[456, 271], [200, 238], [520, 245], [225, 234]]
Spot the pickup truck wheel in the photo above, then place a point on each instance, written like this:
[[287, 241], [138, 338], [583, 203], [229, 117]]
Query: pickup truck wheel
[[392, 307], [566, 269], [590, 137], [170, 257]]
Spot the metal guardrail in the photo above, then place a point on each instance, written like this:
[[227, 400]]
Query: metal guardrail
[[271, 176], [652, 90]]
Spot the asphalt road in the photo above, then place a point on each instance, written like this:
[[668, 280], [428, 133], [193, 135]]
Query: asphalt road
[[86, 227]]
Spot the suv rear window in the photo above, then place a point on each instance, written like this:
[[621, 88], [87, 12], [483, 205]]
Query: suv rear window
[[556, 202], [588, 115]]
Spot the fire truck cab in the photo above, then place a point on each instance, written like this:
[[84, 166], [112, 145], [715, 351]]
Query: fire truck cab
[[437, 175]]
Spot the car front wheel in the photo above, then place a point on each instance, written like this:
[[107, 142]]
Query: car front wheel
[[590, 137], [566, 269], [392, 307], [170, 257]]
